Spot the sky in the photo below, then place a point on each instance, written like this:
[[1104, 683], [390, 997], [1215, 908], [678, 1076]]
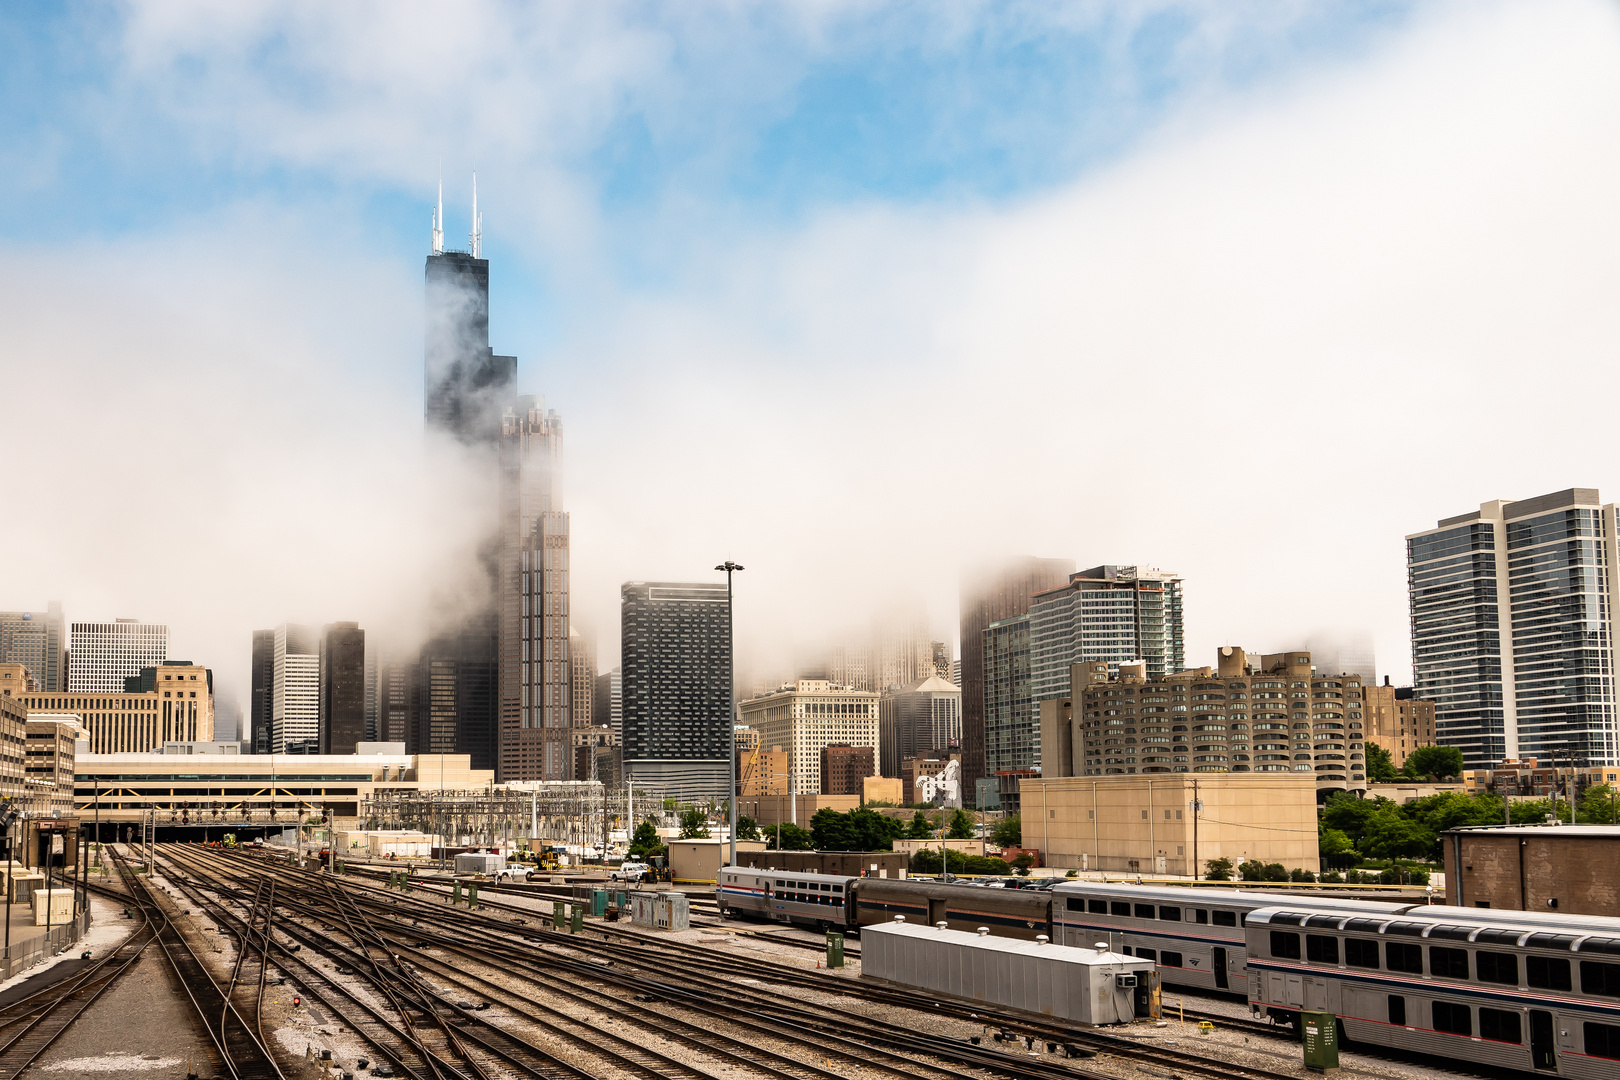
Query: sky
[[856, 294]]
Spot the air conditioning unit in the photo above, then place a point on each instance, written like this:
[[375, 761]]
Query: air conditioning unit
[[1125, 982]]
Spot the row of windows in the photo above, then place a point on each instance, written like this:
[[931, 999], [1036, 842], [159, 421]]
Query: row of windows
[[1167, 913], [1446, 962]]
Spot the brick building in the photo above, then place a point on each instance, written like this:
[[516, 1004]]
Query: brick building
[[1563, 868], [1398, 721], [843, 767]]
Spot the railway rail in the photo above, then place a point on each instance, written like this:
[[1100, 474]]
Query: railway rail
[[733, 993]]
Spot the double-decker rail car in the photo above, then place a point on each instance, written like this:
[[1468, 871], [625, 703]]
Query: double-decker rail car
[[1017, 913], [1196, 936], [1539, 993], [816, 900]]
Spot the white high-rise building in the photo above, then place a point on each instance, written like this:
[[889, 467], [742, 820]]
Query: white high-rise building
[[807, 715], [1113, 613], [1513, 629], [295, 691], [102, 655]]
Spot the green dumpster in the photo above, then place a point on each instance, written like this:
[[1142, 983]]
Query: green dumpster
[[835, 949], [578, 925], [598, 902], [1319, 1031]]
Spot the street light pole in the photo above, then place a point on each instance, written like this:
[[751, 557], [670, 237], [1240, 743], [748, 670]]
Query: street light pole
[[731, 709]]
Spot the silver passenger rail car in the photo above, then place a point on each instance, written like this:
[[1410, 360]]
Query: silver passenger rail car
[[816, 900], [1196, 936], [1541, 995]]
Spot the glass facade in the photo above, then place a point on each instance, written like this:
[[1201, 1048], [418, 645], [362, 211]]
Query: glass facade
[[1512, 630], [1110, 613], [1012, 730]]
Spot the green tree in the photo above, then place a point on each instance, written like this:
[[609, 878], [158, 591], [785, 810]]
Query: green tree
[[645, 843], [694, 825], [961, 826], [1599, 804], [1391, 835], [1009, 831], [747, 828], [1350, 814], [1218, 870], [921, 828], [1380, 766], [1536, 811], [1336, 848], [1436, 762], [858, 830], [792, 838], [1251, 870]]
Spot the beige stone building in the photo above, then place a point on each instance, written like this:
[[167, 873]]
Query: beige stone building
[[763, 771], [51, 741], [1274, 716], [1398, 724], [1171, 823], [804, 716], [13, 749], [175, 703]]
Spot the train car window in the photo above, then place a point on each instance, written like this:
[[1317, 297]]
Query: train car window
[[1453, 1019], [1284, 946], [1447, 963], [1170, 959], [1602, 1040], [1144, 911], [1397, 1010], [1173, 914], [1203, 915], [839, 889], [1399, 956], [1497, 967], [1448, 932], [1407, 929], [1224, 918], [1125, 950], [1600, 978], [1498, 937], [1547, 972], [1117, 907], [1500, 1025], [1321, 950], [1359, 952], [1097, 907], [1147, 954], [1074, 903], [1243, 918]]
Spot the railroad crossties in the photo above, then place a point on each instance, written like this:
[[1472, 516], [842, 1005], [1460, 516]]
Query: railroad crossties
[[304, 964]]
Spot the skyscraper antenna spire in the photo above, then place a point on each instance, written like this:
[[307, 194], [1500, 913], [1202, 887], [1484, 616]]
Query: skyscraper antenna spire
[[438, 222], [477, 236]]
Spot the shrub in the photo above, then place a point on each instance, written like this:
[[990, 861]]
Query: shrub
[[1251, 870], [1218, 870], [1072, 874], [1274, 872], [1332, 877], [1301, 874]]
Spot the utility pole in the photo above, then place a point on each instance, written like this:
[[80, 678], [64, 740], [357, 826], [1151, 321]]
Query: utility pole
[[731, 709], [1197, 807]]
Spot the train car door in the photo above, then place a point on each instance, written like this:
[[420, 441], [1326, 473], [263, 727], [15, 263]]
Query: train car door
[[1316, 995], [1286, 990], [936, 912], [1220, 969], [1542, 1053]]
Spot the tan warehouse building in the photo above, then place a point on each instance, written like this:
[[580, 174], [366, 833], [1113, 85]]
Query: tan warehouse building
[[1171, 823]]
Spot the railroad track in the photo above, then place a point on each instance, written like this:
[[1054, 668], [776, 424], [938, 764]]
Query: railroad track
[[239, 1043], [844, 1032]]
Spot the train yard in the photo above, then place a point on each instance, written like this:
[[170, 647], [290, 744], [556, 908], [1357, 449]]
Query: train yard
[[296, 973]]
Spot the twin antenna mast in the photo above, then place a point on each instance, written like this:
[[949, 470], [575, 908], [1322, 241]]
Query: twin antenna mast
[[475, 238]]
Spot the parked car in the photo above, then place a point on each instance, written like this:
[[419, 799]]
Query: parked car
[[630, 872]]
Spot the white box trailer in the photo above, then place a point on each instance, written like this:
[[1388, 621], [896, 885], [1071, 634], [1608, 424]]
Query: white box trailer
[[479, 862], [1084, 986]]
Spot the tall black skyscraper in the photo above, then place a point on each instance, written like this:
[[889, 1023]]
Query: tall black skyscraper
[[343, 694], [260, 701], [467, 387], [675, 686]]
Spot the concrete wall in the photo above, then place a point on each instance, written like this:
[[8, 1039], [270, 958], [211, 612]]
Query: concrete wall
[[770, 809], [967, 847], [1522, 871], [1127, 824], [882, 789]]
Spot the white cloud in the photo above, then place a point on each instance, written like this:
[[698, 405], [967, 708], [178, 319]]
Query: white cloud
[[1290, 329]]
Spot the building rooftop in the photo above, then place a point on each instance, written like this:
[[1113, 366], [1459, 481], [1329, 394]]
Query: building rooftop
[[1604, 832]]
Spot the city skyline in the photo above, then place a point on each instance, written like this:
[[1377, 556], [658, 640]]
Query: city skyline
[[1235, 236]]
